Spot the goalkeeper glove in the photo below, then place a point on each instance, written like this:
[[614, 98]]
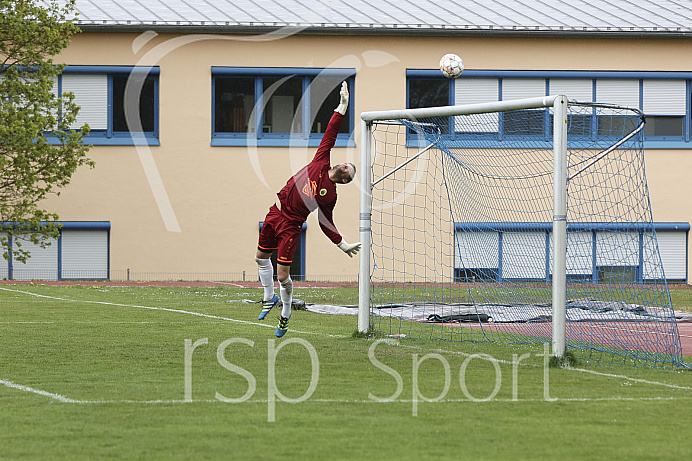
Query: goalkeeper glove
[[343, 105], [349, 248]]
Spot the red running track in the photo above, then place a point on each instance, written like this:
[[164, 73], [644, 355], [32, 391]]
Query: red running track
[[621, 334]]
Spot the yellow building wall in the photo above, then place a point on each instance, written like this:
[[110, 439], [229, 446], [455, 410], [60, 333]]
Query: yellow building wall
[[217, 198]]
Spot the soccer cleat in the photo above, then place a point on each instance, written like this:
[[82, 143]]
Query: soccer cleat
[[267, 306], [283, 327]]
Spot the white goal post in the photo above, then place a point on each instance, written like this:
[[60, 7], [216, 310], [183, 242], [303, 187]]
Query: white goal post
[[559, 104]]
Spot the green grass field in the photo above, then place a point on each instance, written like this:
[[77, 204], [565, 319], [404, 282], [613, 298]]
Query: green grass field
[[94, 372]]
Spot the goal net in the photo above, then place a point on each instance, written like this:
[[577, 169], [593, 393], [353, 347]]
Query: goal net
[[515, 222]]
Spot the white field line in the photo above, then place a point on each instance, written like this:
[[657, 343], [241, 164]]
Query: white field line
[[166, 309], [94, 322], [644, 381], [393, 341], [581, 370], [63, 399], [58, 397]]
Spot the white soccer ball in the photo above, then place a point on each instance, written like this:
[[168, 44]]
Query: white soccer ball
[[451, 65]]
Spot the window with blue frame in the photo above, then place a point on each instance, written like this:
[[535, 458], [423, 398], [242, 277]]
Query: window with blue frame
[[277, 106], [664, 97], [119, 103], [622, 251]]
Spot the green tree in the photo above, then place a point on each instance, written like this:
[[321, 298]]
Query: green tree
[[39, 147]]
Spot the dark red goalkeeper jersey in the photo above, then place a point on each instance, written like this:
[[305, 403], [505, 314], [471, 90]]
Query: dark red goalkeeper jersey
[[310, 188]]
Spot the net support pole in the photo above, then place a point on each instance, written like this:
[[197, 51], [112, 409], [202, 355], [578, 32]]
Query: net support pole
[[364, 228], [559, 225]]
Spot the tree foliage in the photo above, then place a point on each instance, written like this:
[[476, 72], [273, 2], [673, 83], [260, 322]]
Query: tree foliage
[[40, 149]]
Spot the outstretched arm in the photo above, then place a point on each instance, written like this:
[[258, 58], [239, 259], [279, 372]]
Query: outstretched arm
[[329, 138]]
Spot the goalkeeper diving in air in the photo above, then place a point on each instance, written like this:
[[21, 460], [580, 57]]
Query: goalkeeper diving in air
[[312, 188]]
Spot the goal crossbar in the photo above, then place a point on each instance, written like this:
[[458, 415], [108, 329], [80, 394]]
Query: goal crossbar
[[464, 109]]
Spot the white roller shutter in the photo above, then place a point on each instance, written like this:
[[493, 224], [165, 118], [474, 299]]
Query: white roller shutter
[[476, 91], [579, 89], [617, 248], [477, 250], [84, 254], [91, 94], [522, 88], [42, 265], [579, 253], [523, 255], [664, 97], [622, 92], [673, 249]]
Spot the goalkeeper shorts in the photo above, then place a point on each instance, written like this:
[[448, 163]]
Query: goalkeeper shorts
[[281, 234]]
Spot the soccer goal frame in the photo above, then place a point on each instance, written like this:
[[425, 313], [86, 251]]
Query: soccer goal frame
[[559, 104]]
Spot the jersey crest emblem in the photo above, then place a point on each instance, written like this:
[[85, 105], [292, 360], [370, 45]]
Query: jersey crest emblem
[[323, 192], [310, 189]]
